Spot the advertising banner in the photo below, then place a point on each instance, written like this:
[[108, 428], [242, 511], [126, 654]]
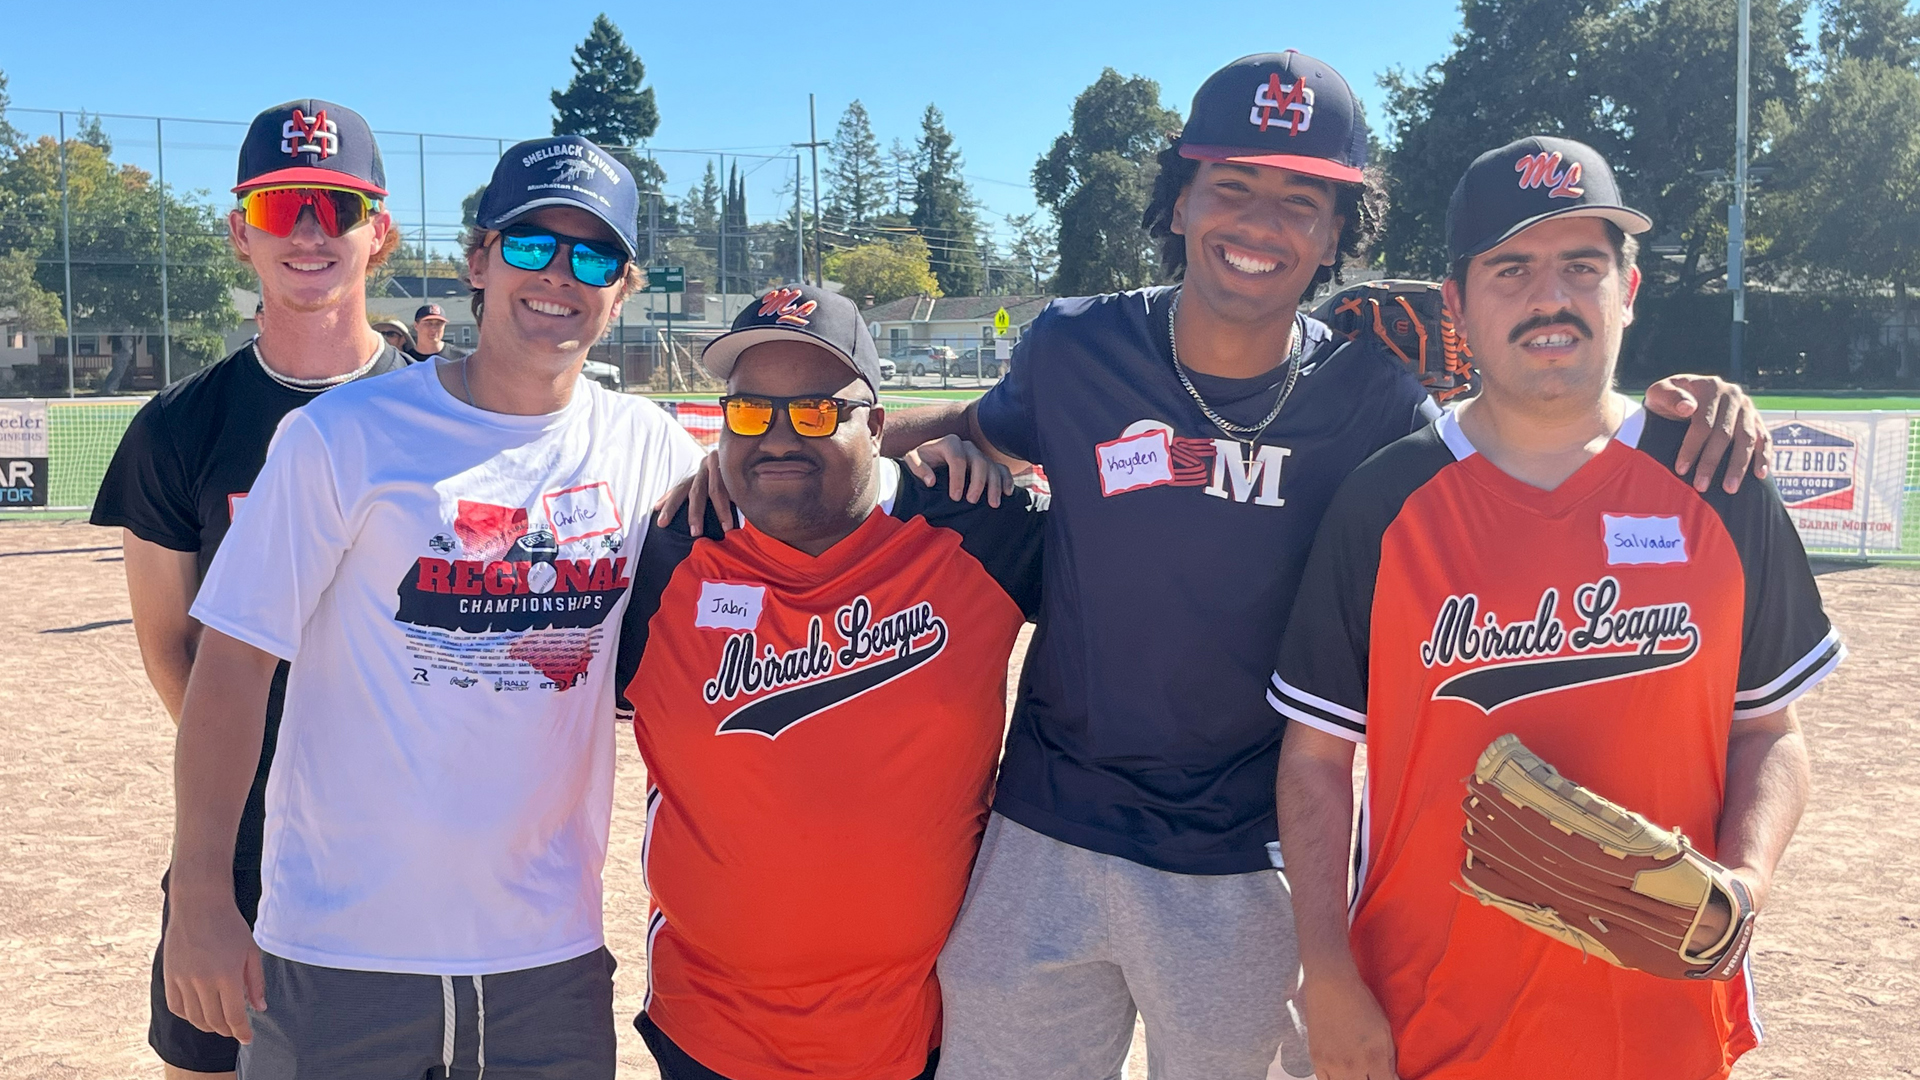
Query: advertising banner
[[1843, 477], [23, 453]]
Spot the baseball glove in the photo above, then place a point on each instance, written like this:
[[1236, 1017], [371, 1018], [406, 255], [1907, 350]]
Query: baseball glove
[[1410, 320], [1594, 875]]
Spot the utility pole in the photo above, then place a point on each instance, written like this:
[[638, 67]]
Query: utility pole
[[1737, 208], [422, 143], [166, 321], [799, 227], [813, 145], [66, 247]]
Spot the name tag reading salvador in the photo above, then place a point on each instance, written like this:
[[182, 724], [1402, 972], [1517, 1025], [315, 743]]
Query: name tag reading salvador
[[1636, 540], [1134, 462]]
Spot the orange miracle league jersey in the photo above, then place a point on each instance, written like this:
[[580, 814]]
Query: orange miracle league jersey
[[1618, 624], [820, 737]]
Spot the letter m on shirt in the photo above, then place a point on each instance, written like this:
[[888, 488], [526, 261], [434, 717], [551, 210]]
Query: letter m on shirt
[[1236, 478]]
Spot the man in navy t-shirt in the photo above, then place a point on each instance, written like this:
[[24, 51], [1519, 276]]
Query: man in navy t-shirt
[[1193, 437]]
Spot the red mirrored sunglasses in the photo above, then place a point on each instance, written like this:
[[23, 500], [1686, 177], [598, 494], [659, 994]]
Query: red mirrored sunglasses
[[277, 210]]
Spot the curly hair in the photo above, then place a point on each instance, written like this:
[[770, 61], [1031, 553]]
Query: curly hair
[[1362, 208]]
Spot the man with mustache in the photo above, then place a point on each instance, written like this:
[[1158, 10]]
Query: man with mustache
[[1192, 436], [1531, 564], [443, 556], [311, 223], [819, 698]]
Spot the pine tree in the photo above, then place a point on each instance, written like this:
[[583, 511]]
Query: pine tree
[[734, 275], [943, 209], [900, 165], [605, 101], [703, 204], [858, 178]]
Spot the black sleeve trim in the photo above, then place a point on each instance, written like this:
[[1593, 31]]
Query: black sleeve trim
[[1802, 676], [1008, 540], [662, 550]]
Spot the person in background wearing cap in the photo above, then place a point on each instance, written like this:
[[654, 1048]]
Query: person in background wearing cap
[[1192, 437], [819, 698], [310, 226], [397, 335], [443, 556], [429, 333], [1547, 460]]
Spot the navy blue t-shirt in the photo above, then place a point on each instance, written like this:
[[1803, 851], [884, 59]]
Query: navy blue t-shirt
[[1142, 728]]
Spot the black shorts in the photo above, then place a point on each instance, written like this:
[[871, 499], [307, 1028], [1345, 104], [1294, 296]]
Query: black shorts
[[178, 1042], [675, 1064]]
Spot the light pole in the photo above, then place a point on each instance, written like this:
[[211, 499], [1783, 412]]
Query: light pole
[[1737, 207]]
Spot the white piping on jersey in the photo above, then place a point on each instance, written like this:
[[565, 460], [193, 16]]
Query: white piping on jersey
[[1628, 434], [646, 836], [1829, 647], [1365, 862], [654, 925]]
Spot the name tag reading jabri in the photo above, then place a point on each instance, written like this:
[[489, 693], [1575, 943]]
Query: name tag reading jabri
[[1633, 540], [727, 606], [1134, 462]]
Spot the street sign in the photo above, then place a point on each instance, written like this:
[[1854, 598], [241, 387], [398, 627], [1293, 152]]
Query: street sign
[[1002, 322], [666, 279]]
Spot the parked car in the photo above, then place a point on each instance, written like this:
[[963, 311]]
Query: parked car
[[888, 369], [606, 375], [929, 359], [976, 361]]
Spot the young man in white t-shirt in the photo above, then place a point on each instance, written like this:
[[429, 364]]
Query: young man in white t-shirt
[[443, 556]]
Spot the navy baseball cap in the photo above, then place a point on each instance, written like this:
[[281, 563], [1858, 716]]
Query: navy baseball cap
[[563, 170], [1529, 181], [798, 313], [1285, 110], [311, 142], [429, 311]]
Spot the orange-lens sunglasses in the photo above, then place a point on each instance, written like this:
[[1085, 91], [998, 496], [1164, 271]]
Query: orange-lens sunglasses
[[277, 210], [813, 416]]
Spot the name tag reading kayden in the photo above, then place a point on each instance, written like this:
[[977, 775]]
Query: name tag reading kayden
[[1134, 462]]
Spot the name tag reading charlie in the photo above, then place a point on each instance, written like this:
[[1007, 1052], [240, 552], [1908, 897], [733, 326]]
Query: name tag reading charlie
[[727, 606], [1135, 462], [1635, 540]]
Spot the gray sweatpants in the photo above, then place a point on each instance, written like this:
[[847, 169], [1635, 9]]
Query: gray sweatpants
[[1057, 947]]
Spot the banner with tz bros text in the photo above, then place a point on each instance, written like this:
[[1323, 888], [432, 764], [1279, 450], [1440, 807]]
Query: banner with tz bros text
[[23, 453], [1843, 476]]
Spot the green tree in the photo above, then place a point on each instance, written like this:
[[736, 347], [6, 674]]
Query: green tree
[[1096, 180], [1032, 254], [888, 270], [736, 271], [1847, 193], [943, 209], [606, 102], [114, 211], [858, 178], [901, 169], [1649, 83], [1882, 30], [9, 135]]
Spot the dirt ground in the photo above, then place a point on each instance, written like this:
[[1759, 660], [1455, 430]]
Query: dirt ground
[[85, 798]]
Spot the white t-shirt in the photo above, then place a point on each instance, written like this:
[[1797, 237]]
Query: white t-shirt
[[448, 584]]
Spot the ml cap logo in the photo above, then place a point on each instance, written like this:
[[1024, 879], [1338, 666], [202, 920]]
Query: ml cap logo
[[1293, 104], [301, 135]]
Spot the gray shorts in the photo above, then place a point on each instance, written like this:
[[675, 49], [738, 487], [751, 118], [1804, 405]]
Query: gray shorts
[[551, 1023], [1058, 947]]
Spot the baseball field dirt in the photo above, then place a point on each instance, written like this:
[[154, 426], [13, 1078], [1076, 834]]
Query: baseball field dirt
[[86, 801]]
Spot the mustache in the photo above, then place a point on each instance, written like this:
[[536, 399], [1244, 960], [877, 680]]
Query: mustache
[[1562, 317]]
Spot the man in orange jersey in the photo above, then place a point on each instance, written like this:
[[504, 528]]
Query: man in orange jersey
[[819, 697], [1531, 564]]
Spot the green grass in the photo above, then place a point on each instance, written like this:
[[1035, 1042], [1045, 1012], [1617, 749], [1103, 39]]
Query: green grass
[[1836, 402]]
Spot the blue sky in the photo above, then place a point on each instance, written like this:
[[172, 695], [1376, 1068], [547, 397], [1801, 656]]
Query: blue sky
[[733, 77]]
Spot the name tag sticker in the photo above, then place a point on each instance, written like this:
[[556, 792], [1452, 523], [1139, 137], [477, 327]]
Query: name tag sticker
[[1634, 540], [727, 606], [577, 513], [1134, 462]]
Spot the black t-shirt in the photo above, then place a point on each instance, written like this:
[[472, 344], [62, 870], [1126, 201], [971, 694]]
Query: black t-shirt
[[189, 456], [1172, 557]]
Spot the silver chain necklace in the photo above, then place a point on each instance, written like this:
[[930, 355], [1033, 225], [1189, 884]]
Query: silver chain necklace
[[1244, 434]]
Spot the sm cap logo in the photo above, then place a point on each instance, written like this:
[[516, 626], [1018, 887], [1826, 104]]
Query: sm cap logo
[[315, 135], [788, 307], [1293, 104], [1542, 170]]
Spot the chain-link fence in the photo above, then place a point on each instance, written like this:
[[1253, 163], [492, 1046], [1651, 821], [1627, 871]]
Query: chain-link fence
[[116, 274]]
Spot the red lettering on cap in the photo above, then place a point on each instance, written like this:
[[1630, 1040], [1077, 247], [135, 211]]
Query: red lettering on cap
[[1543, 170], [786, 304]]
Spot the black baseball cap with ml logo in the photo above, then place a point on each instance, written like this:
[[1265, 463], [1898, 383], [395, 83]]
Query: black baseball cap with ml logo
[[1285, 110], [1529, 181], [798, 313], [311, 142]]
